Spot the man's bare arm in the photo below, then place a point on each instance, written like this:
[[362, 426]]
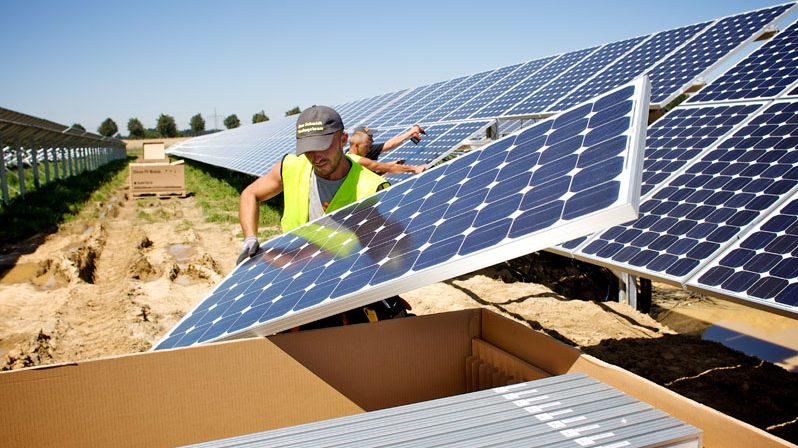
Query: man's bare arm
[[390, 167], [396, 141], [264, 188]]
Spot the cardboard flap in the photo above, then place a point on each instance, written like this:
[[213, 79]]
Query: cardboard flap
[[167, 398]]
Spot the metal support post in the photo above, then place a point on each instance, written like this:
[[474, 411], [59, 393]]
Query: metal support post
[[34, 162], [3, 178], [71, 160], [644, 299], [46, 162], [64, 161], [20, 168]]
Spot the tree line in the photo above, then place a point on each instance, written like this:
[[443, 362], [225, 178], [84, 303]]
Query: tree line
[[166, 126]]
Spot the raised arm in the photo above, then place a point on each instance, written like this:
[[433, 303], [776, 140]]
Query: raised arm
[[396, 141]]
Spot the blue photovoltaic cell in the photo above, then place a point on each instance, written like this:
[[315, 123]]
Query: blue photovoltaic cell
[[410, 115], [247, 149], [410, 96], [358, 116], [418, 114], [681, 135], [632, 64], [678, 138], [477, 102], [436, 149], [500, 105], [458, 101], [507, 127], [384, 117], [507, 199], [700, 211], [762, 265], [541, 100], [765, 73], [671, 77], [355, 109], [408, 150]]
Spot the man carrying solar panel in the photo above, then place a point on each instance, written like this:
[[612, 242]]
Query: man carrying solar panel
[[318, 179]]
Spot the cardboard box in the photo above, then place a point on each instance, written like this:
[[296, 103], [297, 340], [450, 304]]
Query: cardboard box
[[157, 178], [232, 388], [154, 151]]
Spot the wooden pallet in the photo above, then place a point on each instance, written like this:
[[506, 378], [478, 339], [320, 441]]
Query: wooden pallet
[[159, 194]]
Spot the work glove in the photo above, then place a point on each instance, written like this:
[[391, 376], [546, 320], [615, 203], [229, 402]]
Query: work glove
[[249, 249]]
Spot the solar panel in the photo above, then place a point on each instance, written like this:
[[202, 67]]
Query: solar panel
[[458, 101], [408, 102], [707, 50], [761, 268], [681, 135], [566, 410], [464, 86], [506, 100], [509, 81], [357, 116], [693, 217], [248, 149], [445, 138], [765, 73], [632, 64], [551, 182], [541, 100], [406, 115]]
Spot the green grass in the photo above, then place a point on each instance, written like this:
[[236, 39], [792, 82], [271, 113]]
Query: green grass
[[45, 208], [217, 191]]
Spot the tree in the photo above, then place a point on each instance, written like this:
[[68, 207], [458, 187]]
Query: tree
[[107, 128], [197, 124], [79, 127], [260, 117], [135, 128], [232, 121], [293, 111], [166, 126]]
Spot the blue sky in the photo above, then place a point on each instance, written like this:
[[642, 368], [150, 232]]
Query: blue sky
[[83, 61]]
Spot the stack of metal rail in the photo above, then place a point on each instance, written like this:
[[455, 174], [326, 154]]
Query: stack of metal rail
[[570, 410]]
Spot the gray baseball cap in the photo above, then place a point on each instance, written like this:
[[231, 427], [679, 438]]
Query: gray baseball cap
[[316, 127]]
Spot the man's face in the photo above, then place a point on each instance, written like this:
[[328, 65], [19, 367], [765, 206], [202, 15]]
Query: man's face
[[327, 161], [360, 144]]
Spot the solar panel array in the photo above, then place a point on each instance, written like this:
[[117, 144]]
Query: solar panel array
[[764, 74], [534, 89], [567, 410], [718, 180], [556, 180], [673, 239]]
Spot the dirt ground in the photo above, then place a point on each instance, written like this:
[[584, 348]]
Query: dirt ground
[[115, 285]]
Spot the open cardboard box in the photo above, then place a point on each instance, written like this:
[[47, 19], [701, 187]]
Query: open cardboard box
[[213, 391]]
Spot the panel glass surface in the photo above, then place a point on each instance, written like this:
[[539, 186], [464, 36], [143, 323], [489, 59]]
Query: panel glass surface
[[556, 179], [680, 136], [436, 149], [500, 105], [763, 265], [509, 81], [461, 89], [765, 73], [541, 100], [700, 211], [632, 64], [386, 116], [458, 101]]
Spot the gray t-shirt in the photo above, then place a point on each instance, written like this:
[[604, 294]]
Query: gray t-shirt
[[322, 192]]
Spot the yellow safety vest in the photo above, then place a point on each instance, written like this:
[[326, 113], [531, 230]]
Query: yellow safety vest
[[359, 183]]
